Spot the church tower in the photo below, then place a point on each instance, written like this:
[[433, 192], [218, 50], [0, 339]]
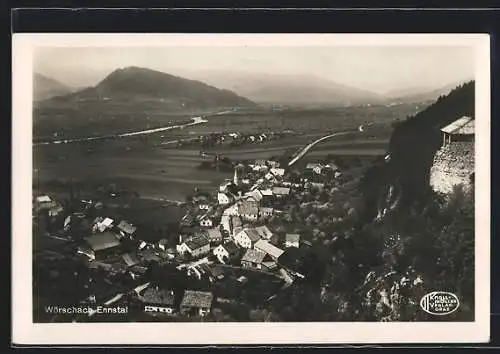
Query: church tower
[[238, 174]]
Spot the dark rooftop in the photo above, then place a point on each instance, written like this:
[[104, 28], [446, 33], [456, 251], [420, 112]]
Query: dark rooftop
[[253, 234], [253, 256], [214, 234], [102, 241], [231, 247], [158, 296], [197, 242], [194, 298], [126, 227], [130, 259], [292, 237], [463, 125], [248, 208]]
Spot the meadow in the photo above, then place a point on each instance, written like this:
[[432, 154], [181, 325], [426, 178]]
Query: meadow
[[142, 164]]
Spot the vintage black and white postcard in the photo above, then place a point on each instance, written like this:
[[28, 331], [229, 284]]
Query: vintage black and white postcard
[[251, 189]]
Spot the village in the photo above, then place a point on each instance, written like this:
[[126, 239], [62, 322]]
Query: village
[[231, 139], [292, 186], [231, 249]]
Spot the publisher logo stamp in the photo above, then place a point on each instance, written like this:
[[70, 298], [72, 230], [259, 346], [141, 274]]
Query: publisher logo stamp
[[439, 303]]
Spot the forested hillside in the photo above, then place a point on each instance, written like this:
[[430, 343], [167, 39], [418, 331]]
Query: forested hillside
[[377, 267]]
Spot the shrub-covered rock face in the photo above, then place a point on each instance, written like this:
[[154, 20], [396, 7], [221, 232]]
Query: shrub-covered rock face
[[375, 276]]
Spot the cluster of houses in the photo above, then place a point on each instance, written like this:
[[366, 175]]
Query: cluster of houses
[[228, 229], [265, 187], [244, 245], [45, 203], [103, 249], [162, 301], [239, 236], [321, 169], [232, 139]]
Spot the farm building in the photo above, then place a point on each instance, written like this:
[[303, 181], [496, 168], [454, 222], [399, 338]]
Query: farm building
[[266, 247], [278, 172], [223, 198], [247, 238], [460, 130], [264, 232], [158, 301], [226, 252], [453, 164], [195, 247], [102, 224], [130, 259], [214, 235], [266, 212], [253, 259], [281, 191], [248, 210], [102, 243], [126, 229], [198, 303], [315, 167], [44, 202], [292, 240], [206, 221], [254, 195]]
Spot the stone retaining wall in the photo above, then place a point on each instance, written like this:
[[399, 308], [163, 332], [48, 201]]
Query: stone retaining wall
[[453, 165]]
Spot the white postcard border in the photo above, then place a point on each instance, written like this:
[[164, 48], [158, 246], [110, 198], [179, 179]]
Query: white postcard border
[[26, 332]]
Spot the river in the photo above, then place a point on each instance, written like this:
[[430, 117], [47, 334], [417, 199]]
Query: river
[[195, 121]]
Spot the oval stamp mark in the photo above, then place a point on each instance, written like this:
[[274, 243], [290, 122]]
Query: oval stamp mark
[[439, 303]]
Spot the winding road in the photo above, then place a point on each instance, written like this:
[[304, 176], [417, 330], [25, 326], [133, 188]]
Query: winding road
[[306, 149]]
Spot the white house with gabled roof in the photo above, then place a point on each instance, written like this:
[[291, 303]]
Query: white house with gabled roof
[[225, 252], [278, 172], [246, 238], [223, 198]]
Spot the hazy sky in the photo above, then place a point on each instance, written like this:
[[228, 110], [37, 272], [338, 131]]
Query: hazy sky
[[375, 68]]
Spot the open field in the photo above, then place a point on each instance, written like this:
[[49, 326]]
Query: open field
[[149, 173], [299, 142], [170, 174], [76, 122], [306, 121], [142, 164], [72, 122]]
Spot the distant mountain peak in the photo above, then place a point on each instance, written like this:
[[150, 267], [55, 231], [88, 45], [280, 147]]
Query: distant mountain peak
[[45, 87], [133, 84]]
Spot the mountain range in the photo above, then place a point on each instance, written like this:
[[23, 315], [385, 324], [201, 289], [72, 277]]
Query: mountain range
[[421, 94], [209, 89], [45, 87], [311, 90], [288, 89]]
